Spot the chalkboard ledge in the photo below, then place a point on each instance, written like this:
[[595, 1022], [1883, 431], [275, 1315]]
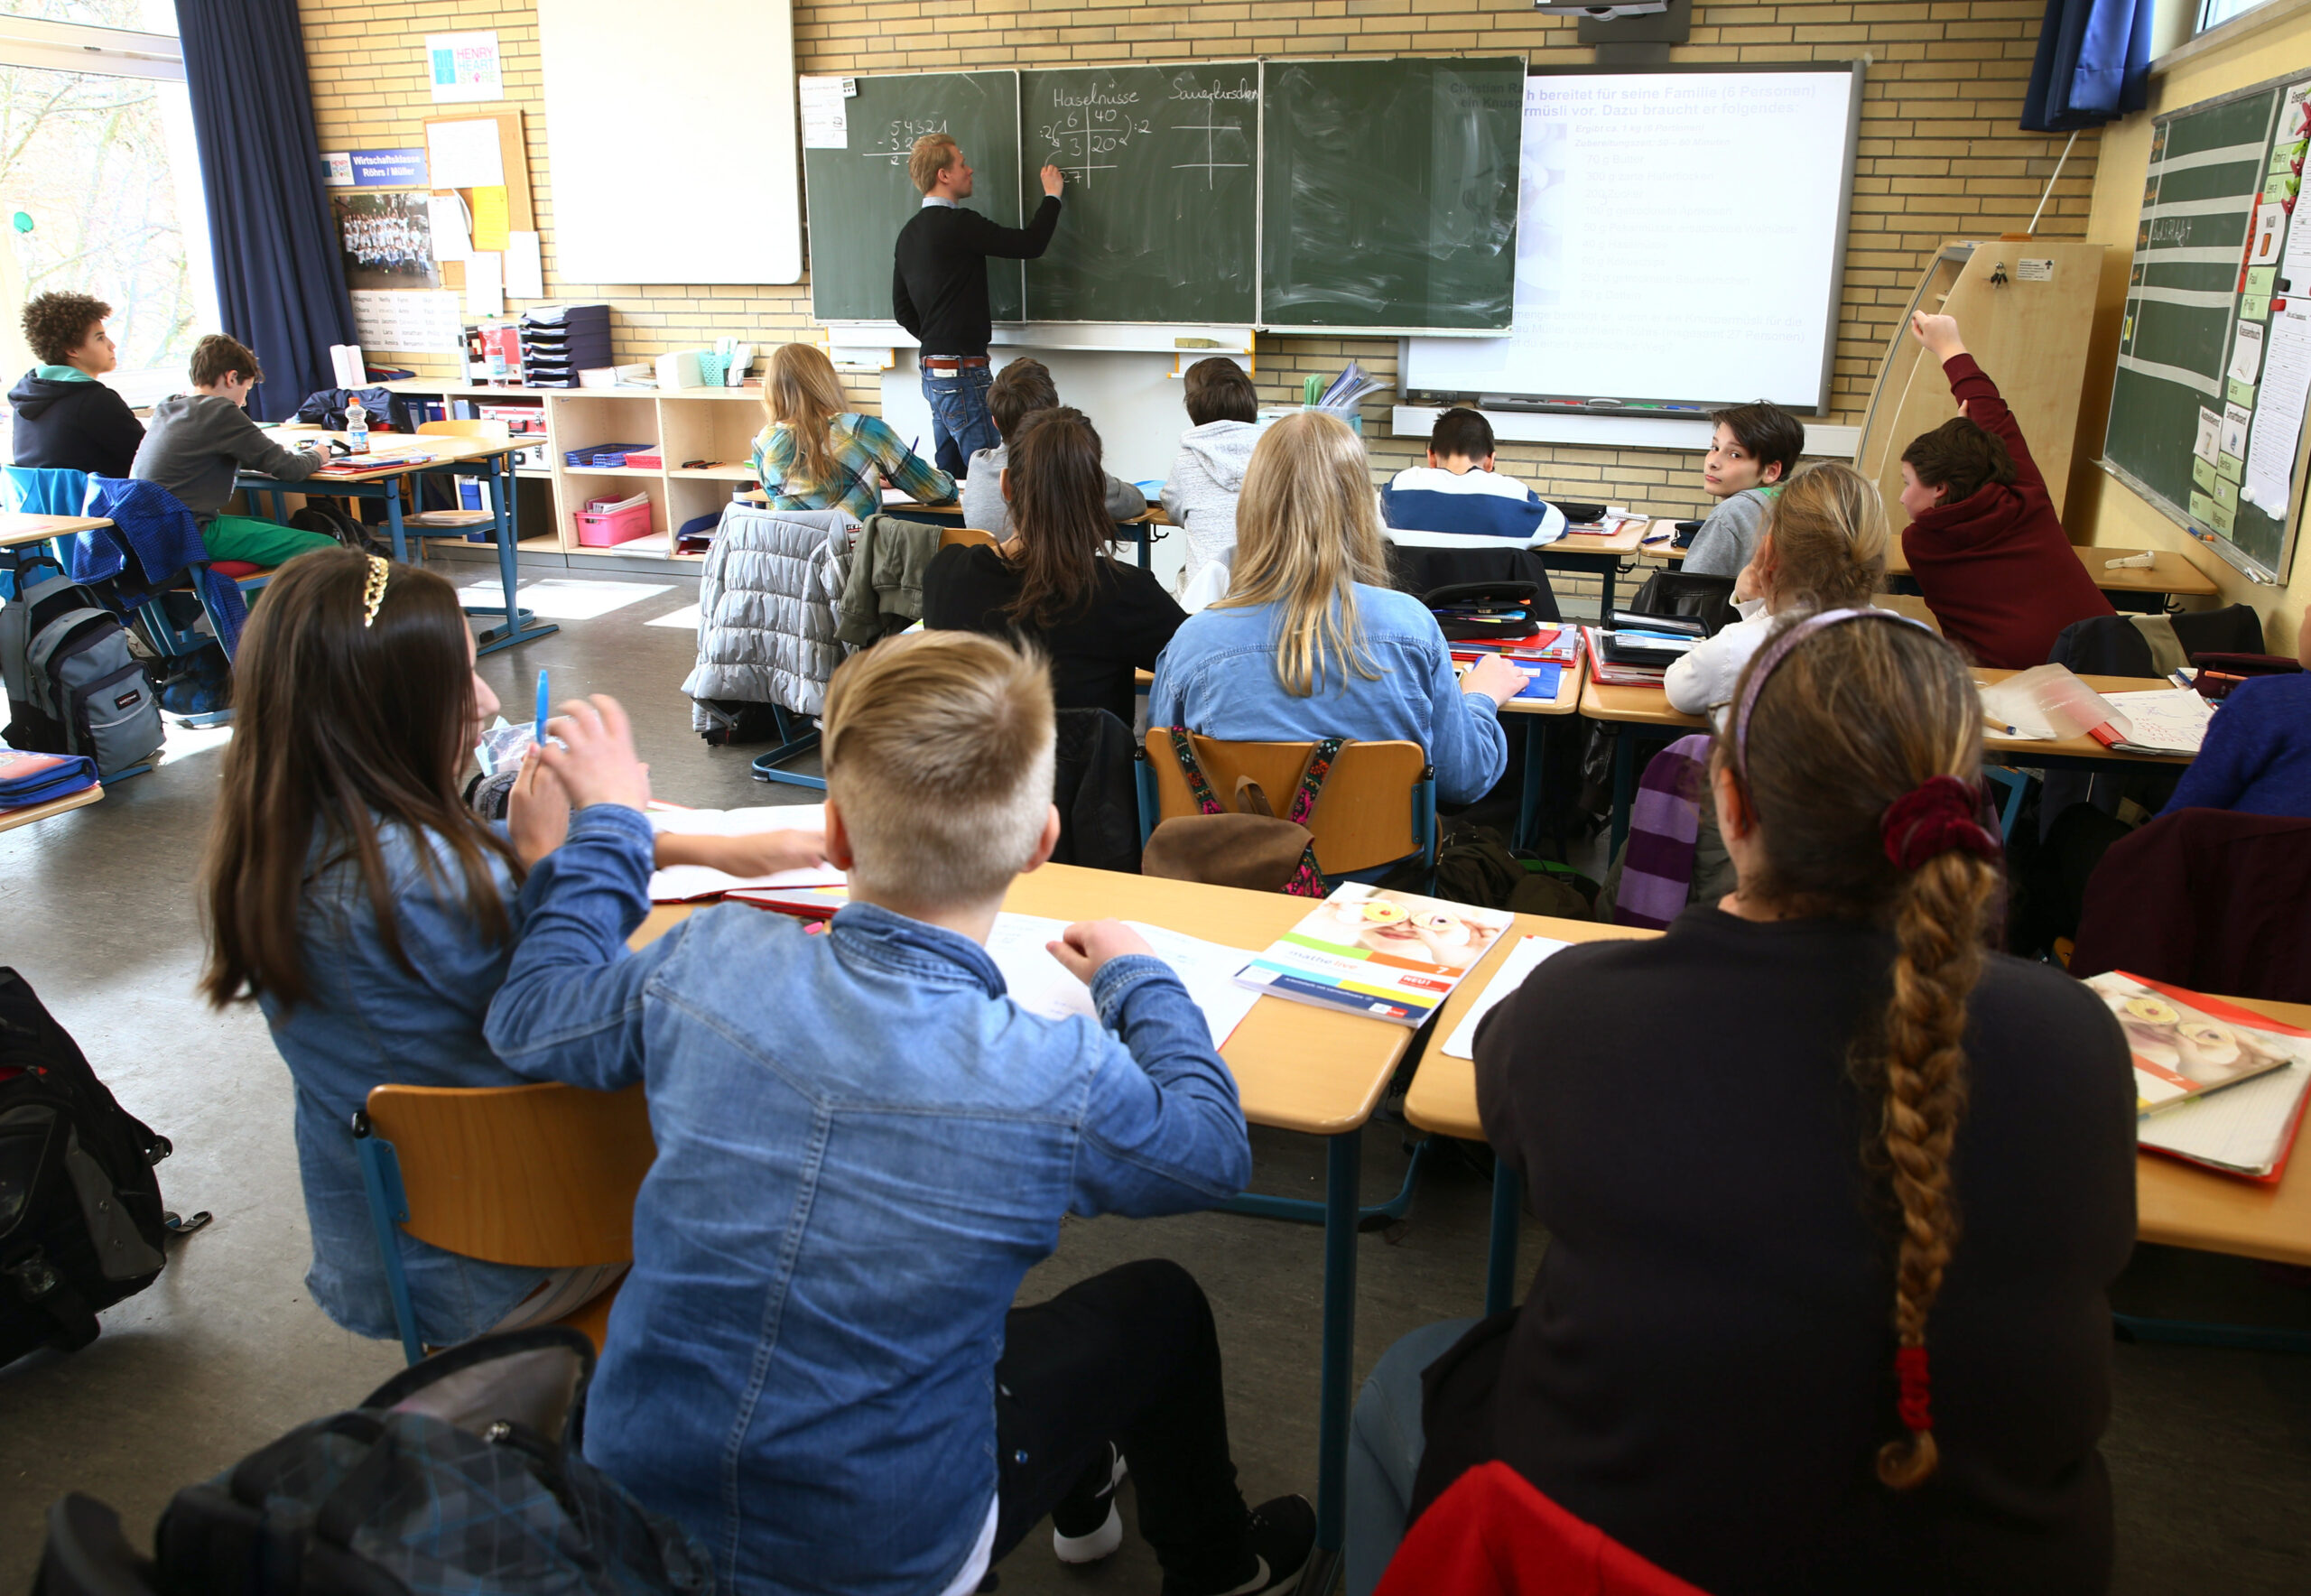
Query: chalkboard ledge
[[1087, 336], [1823, 442]]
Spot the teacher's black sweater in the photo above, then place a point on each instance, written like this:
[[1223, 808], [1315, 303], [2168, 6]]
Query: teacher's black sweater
[[1704, 1367], [939, 277]]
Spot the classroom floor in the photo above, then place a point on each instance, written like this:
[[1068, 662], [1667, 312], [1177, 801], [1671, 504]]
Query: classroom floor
[[2210, 1451]]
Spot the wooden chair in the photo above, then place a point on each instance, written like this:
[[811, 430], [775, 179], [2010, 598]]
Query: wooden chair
[[1378, 804], [949, 537], [445, 523], [539, 1177]]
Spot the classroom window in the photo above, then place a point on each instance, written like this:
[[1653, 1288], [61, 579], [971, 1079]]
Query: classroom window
[[100, 183], [2214, 13]]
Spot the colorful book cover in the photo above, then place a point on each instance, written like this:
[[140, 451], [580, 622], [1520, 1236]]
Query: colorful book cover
[[2186, 1045], [1394, 956]]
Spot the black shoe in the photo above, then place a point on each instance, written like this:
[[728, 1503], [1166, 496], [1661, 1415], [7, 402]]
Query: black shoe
[[1085, 1526], [1279, 1537]]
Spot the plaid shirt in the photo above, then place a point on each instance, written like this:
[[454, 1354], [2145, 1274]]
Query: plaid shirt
[[864, 448]]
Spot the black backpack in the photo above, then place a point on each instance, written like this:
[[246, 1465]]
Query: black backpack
[[461, 1474], [80, 1218]]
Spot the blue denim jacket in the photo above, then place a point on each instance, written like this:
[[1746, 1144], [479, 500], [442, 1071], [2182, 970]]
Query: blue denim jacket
[[1218, 677], [863, 1144], [366, 1022]]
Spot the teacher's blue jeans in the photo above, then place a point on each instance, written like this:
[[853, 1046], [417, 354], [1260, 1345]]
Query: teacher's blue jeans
[[1384, 1446], [960, 425]]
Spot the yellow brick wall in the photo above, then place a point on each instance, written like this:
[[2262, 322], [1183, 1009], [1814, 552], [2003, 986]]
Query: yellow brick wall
[[1940, 155]]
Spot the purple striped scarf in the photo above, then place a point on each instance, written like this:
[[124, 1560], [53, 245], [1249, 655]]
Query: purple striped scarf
[[1665, 824]]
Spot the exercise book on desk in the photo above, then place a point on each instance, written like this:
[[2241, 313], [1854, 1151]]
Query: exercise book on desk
[[1371, 951], [1020, 945], [2236, 1079], [686, 884]]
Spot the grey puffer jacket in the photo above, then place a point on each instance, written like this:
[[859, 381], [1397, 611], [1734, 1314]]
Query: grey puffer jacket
[[767, 608]]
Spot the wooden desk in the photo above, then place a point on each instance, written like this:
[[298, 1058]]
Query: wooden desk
[[2177, 1204], [1297, 1068], [18, 529], [1139, 528], [453, 454], [10, 819], [1595, 552], [1648, 706], [2172, 573], [1569, 681]]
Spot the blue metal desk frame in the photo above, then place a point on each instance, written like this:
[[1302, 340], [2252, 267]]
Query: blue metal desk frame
[[521, 625]]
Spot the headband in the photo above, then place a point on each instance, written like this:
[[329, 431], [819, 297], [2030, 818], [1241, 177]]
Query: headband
[[373, 594], [1939, 814]]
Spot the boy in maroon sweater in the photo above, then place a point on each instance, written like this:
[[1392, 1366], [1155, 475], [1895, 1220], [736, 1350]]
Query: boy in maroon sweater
[[1983, 541]]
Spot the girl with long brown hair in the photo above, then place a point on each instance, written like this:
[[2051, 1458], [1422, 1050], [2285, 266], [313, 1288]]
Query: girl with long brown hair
[[817, 453], [1311, 642], [1833, 1194], [1054, 581], [355, 899]]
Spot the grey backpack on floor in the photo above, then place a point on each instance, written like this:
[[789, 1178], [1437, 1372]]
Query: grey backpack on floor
[[73, 685]]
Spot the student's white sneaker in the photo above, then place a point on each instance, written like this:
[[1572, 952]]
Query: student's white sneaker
[[1086, 1526]]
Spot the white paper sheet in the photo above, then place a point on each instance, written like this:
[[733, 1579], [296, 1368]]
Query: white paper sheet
[[525, 265], [1042, 985], [408, 320], [2247, 353], [2210, 435], [2279, 418], [2172, 719], [681, 884], [2271, 228], [486, 284], [1523, 959], [464, 155], [445, 217], [826, 121], [2236, 421]]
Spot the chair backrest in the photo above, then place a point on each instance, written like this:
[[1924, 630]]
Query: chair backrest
[[469, 427], [39, 490], [1708, 599], [949, 537], [542, 1177], [1377, 805], [2212, 899]]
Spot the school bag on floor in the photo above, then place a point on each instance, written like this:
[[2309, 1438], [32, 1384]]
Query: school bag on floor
[[81, 1217], [73, 685], [462, 1473]]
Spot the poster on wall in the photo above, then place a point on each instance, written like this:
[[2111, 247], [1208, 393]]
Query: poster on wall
[[373, 169], [386, 240], [464, 66], [408, 323]]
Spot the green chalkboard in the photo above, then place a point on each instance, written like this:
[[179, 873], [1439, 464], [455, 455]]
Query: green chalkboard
[[1390, 197], [860, 195], [2182, 423], [1162, 220]]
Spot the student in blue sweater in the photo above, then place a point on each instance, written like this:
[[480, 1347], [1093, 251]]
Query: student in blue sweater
[[1311, 642], [2257, 756]]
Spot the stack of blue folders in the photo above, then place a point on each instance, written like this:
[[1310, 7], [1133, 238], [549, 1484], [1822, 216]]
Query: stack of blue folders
[[40, 778], [601, 455]]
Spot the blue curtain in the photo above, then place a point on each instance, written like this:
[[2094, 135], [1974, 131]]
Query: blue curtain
[[280, 280], [2092, 66]]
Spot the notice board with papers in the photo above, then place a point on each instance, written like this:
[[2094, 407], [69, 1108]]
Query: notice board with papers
[[2215, 345]]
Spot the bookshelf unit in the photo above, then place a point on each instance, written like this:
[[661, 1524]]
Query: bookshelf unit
[[687, 424]]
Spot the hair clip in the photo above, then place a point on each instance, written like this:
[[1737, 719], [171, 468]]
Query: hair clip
[[372, 596]]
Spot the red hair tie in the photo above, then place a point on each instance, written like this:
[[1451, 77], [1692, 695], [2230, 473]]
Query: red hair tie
[[1933, 818], [1917, 1402]]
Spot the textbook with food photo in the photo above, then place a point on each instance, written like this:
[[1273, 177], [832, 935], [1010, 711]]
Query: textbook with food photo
[[1393, 956], [2186, 1045]]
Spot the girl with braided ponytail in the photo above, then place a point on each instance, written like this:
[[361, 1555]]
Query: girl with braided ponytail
[[1833, 1194]]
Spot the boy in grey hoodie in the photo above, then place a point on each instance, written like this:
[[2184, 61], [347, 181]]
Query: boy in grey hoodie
[[1021, 389], [198, 442], [1201, 496]]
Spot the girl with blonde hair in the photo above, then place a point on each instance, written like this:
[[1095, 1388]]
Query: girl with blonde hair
[[817, 454], [1311, 642]]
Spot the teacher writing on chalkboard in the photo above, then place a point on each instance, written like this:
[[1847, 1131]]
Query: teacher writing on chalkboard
[[939, 291]]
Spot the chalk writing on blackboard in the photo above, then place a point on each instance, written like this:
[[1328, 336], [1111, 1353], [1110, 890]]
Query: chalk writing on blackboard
[[898, 138]]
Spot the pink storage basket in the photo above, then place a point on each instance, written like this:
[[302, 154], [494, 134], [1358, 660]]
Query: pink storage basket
[[621, 526]]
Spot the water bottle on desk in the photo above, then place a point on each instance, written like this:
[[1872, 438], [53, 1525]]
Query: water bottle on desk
[[356, 428]]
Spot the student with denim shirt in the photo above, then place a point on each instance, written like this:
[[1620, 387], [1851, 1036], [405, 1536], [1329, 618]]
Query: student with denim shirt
[[369, 914], [863, 1145], [1310, 643]]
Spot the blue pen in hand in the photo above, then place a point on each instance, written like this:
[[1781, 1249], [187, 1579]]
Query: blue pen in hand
[[537, 727]]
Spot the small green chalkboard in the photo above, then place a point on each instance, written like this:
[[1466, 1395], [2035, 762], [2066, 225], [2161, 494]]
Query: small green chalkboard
[[860, 195]]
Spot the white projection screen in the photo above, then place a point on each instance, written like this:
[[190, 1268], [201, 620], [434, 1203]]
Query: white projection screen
[[1681, 239]]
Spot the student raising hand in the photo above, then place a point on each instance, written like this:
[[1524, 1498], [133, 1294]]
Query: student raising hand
[[596, 763], [1939, 334], [537, 811]]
